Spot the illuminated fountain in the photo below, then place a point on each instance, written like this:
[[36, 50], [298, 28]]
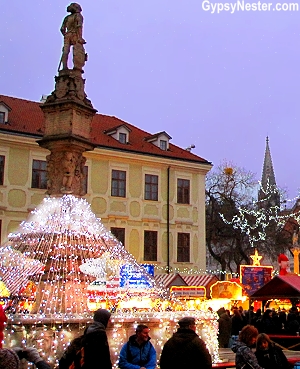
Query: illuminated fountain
[[59, 254], [67, 248]]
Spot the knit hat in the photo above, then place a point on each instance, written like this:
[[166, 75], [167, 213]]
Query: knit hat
[[8, 359], [102, 316], [282, 257], [186, 322]]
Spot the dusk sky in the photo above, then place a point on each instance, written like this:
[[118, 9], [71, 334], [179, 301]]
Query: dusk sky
[[222, 82]]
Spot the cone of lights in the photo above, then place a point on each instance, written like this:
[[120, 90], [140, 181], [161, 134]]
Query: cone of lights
[[61, 235]]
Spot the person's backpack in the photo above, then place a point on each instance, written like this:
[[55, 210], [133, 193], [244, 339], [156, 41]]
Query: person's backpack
[[73, 357], [78, 361]]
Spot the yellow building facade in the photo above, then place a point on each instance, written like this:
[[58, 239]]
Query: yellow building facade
[[148, 192]]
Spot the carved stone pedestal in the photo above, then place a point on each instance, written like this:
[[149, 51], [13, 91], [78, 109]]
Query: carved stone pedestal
[[68, 120]]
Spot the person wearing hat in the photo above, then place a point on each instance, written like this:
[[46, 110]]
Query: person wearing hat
[[138, 352], [10, 358], [185, 349], [284, 264]]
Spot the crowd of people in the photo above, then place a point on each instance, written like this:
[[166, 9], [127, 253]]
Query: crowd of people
[[243, 331], [183, 349], [270, 322], [91, 350]]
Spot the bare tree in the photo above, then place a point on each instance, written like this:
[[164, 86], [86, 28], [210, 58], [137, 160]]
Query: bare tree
[[236, 224], [228, 188]]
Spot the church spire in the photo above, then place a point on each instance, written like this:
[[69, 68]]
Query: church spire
[[268, 175], [268, 188]]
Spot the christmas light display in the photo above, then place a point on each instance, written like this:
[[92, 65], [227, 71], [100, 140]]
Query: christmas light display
[[255, 220], [64, 236], [63, 253]]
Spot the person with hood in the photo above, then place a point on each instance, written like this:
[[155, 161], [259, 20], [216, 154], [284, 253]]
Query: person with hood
[[95, 344], [244, 356], [270, 356], [138, 352], [185, 349]]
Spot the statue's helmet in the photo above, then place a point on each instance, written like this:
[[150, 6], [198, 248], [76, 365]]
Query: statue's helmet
[[74, 8]]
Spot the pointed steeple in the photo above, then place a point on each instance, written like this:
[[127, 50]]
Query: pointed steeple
[[268, 175], [268, 187]]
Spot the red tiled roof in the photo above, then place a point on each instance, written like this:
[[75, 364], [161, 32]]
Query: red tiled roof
[[26, 117]]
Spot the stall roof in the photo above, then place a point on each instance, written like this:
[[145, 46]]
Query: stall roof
[[280, 287], [200, 280], [205, 280], [169, 280]]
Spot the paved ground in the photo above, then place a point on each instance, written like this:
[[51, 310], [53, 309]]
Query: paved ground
[[228, 354]]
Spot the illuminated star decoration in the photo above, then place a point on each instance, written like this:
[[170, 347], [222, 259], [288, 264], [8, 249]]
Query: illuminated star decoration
[[256, 258]]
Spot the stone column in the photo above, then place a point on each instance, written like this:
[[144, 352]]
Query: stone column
[[68, 120]]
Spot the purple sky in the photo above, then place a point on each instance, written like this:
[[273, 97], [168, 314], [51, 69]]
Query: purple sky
[[220, 81]]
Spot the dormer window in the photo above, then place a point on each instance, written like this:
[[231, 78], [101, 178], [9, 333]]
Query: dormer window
[[123, 137], [163, 144], [160, 140], [4, 110], [119, 133]]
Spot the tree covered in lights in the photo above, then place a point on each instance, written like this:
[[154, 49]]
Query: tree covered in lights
[[236, 222]]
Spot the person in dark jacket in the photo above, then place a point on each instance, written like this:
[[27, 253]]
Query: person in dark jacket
[[95, 343], [224, 330], [138, 352], [237, 322], [96, 348], [244, 357], [270, 356], [292, 325], [185, 349], [70, 352], [267, 323]]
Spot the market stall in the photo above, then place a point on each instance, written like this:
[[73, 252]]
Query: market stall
[[279, 287]]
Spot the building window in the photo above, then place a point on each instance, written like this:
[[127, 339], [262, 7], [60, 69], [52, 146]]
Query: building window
[[123, 138], [150, 246], [2, 117], [2, 162], [119, 233], [183, 247], [151, 187], [118, 183], [183, 191], [163, 144], [39, 174]]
